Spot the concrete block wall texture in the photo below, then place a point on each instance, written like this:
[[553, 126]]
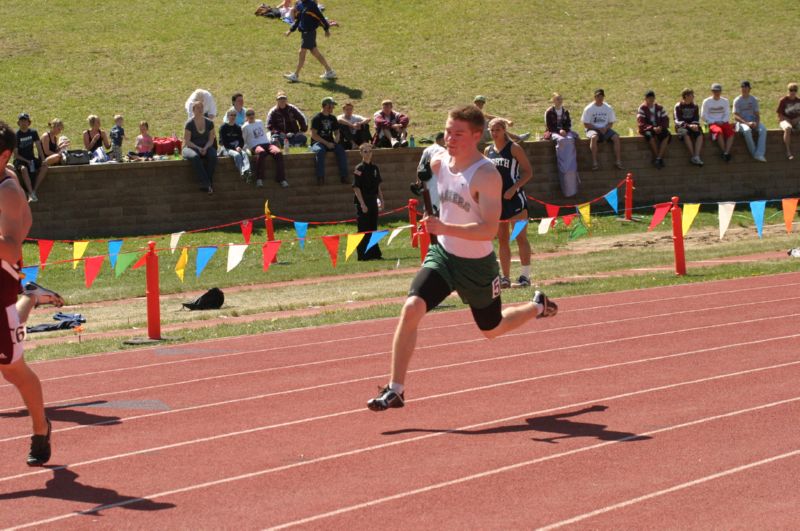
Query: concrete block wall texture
[[163, 196]]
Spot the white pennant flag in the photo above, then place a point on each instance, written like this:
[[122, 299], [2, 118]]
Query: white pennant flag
[[235, 255], [544, 226], [174, 239], [725, 215], [395, 232]]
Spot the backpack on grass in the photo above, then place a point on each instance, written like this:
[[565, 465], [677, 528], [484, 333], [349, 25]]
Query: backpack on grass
[[210, 300]]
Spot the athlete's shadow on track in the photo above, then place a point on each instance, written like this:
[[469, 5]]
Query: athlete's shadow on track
[[66, 413], [559, 424], [64, 486]]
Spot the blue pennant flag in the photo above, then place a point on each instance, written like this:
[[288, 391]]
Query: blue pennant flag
[[757, 209], [519, 226], [301, 228], [113, 250], [613, 200], [204, 254], [31, 274], [375, 237]]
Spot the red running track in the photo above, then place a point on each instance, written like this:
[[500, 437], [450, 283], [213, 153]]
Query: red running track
[[667, 407]]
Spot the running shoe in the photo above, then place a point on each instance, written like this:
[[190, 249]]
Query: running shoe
[[40, 448], [550, 307], [42, 295], [291, 78], [522, 282], [284, 184], [505, 283], [259, 183], [330, 74], [386, 399]]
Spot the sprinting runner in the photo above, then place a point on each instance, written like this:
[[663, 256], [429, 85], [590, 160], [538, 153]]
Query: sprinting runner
[[470, 192], [15, 222], [514, 167]]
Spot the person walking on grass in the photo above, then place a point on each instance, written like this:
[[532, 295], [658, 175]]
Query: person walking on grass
[[15, 222], [463, 259], [511, 162], [308, 19]]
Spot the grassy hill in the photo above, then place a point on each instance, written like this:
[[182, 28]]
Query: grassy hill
[[68, 59]]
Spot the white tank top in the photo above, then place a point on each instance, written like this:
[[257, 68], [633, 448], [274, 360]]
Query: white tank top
[[458, 207]]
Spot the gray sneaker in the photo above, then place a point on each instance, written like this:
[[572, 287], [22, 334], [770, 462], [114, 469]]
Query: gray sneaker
[[291, 78], [550, 307], [386, 399], [522, 282]]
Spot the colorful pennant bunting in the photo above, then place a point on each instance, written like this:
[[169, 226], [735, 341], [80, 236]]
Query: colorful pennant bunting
[[568, 219], [113, 250], [579, 230], [545, 224], [519, 226], [332, 245], [789, 210], [586, 213], [30, 274], [139, 263], [204, 254], [375, 237], [235, 256], [91, 268], [78, 249], [124, 261], [269, 251], [301, 229], [352, 242], [45, 246], [613, 200], [660, 213], [174, 239], [725, 214], [180, 267], [757, 209], [690, 211], [552, 210], [247, 230], [395, 232]]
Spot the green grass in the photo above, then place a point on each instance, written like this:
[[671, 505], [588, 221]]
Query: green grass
[[143, 59]]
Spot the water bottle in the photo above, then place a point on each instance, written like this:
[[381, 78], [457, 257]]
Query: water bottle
[[412, 142], [285, 146], [176, 154]]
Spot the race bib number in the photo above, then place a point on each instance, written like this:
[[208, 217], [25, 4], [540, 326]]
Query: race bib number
[[496, 287]]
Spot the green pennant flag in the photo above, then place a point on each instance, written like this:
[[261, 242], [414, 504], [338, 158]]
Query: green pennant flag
[[124, 261], [578, 231]]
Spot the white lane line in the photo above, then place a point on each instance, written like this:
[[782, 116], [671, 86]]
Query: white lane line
[[675, 488], [465, 323], [474, 340], [458, 364], [428, 488]]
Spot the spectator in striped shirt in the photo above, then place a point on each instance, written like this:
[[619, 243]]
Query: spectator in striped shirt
[[687, 125], [654, 127]]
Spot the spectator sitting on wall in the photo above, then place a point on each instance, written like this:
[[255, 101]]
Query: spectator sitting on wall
[[95, 137], [716, 112], [559, 130], [198, 147], [789, 117], [687, 125], [256, 140], [285, 121], [368, 200], [480, 102], [28, 164], [232, 145], [353, 129], [144, 144], [237, 101], [653, 124], [598, 118], [207, 99], [390, 127], [747, 116], [53, 146], [325, 137]]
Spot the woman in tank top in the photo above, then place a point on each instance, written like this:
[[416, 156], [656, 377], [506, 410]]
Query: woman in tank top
[[94, 137], [513, 165]]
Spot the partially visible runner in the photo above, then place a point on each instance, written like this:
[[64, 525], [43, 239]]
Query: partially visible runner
[[513, 165], [15, 222], [470, 191]]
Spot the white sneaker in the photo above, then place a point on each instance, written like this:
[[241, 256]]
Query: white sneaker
[[42, 295], [284, 184], [291, 78], [330, 74], [259, 183], [761, 158], [33, 198]]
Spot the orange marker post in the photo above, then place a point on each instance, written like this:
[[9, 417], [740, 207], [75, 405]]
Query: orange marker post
[[629, 197]]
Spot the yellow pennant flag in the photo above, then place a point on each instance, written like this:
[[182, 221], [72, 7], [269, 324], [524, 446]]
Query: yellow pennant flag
[[586, 210], [352, 242], [267, 213], [690, 211], [180, 267], [77, 252]]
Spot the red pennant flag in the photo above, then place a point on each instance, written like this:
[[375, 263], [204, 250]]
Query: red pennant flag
[[270, 251], [92, 267], [247, 230], [789, 209], [139, 263], [332, 244], [45, 246], [661, 212], [552, 210], [568, 219]]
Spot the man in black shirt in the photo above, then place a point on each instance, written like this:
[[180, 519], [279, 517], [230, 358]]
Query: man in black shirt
[[26, 163], [325, 137], [368, 198]]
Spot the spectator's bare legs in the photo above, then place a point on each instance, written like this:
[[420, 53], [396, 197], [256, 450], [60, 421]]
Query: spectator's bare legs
[[617, 149], [301, 60], [504, 246], [593, 149], [689, 146], [316, 53], [662, 150], [698, 145], [653, 146], [729, 143], [26, 180], [787, 140], [405, 337], [24, 379], [52, 160]]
